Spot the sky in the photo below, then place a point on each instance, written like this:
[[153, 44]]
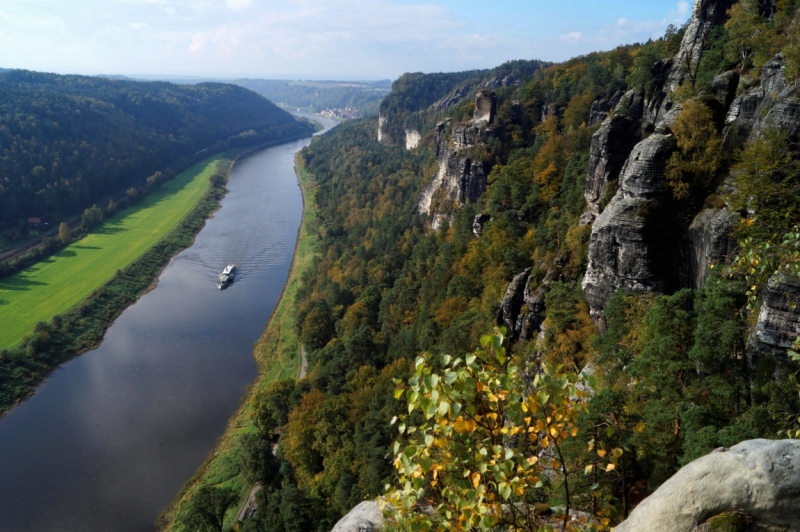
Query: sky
[[315, 39]]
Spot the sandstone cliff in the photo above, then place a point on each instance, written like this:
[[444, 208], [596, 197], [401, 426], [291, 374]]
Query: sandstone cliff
[[460, 178]]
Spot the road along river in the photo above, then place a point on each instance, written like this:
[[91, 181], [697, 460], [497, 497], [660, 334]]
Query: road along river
[[111, 436]]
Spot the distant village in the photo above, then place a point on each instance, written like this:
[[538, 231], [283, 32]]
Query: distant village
[[342, 113]]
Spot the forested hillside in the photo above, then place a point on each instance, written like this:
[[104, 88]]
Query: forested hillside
[[629, 217], [68, 141]]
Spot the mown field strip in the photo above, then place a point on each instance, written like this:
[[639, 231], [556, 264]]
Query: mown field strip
[[60, 282]]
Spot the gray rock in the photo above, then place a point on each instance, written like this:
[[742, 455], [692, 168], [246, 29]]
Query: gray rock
[[478, 222], [485, 107], [778, 321], [587, 218], [511, 303], [550, 109], [611, 145], [621, 246], [459, 179], [449, 101], [522, 308], [760, 478], [707, 14], [599, 111], [724, 86], [772, 104], [366, 517], [710, 240], [643, 173]]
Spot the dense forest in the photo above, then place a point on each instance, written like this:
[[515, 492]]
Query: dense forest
[[362, 97], [67, 142], [665, 371]]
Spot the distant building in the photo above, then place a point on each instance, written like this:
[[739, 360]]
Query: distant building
[[34, 222]]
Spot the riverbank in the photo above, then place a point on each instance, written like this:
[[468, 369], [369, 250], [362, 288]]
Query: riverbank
[[80, 320], [278, 356]]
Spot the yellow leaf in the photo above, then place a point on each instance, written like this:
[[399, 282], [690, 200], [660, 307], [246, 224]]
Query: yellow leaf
[[554, 432], [492, 397], [601, 453], [610, 467], [476, 479]]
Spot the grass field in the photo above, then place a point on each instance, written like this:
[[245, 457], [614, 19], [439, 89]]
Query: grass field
[[58, 283], [277, 353]]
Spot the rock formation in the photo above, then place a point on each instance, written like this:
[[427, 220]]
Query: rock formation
[[758, 478], [778, 321], [710, 241], [611, 145], [601, 108], [412, 139], [460, 178], [522, 308], [366, 517], [706, 15], [485, 108], [449, 101], [621, 247], [478, 222]]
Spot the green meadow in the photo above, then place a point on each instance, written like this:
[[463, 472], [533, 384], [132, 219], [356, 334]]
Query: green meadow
[[56, 284]]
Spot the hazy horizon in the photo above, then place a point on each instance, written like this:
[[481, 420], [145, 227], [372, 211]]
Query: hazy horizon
[[314, 39]]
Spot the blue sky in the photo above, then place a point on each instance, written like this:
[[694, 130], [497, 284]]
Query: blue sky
[[342, 39]]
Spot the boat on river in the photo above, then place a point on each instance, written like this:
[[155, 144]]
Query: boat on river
[[226, 277]]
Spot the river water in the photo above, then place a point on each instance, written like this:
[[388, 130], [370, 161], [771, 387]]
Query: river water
[[111, 436]]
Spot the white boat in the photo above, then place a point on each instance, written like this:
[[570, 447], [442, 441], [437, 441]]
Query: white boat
[[226, 277]]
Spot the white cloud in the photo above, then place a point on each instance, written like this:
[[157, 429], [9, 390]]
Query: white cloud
[[138, 25], [573, 36], [238, 5]]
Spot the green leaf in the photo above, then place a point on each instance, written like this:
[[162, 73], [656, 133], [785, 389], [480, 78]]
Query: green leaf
[[429, 439], [505, 490]]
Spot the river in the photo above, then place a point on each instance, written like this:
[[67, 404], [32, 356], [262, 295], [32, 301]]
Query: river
[[110, 437]]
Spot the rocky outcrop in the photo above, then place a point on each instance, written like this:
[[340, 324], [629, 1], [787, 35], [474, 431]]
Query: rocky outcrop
[[507, 81], [449, 101], [522, 308], [611, 145], [412, 139], [758, 478], [485, 108], [460, 178], [601, 108], [624, 237], [778, 321], [710, 241], [772, 103], [381, 126], [366, 517], [478, 222], [706, 15]]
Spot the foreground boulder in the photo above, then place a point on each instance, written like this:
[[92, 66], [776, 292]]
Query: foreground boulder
[[758, 479], [366, 517]]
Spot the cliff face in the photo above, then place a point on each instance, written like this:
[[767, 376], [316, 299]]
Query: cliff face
[[623, 238], [460, 178], [706, 15]]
